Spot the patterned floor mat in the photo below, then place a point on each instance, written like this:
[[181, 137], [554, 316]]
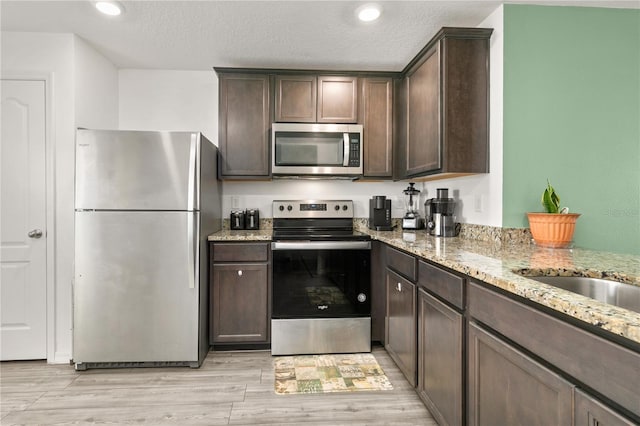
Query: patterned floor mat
[[328, 373]]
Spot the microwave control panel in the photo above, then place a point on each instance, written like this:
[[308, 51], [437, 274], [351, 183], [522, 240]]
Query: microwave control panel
[[354, 150]]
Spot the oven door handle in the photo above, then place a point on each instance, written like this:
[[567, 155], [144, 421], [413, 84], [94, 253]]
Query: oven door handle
[[321, 245]]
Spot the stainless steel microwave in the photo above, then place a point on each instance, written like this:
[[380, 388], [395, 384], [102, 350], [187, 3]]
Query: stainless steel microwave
[[310, 149]]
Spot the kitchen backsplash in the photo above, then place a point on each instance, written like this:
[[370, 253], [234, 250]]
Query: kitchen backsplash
[[467, 231], [471, 232], [265, 223], [495, 234]]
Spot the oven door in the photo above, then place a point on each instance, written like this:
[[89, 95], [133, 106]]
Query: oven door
[[321, 279]]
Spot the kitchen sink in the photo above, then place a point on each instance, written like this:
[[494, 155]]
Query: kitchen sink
[[614, 293]]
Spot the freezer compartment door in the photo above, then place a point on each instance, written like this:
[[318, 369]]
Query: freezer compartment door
[[133, 170], [136, 287]]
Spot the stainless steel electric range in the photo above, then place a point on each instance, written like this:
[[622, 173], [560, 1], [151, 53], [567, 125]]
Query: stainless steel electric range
[[321, 279]]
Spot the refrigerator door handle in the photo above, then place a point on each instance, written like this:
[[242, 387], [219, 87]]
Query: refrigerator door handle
[[191, 196], [192, 247]]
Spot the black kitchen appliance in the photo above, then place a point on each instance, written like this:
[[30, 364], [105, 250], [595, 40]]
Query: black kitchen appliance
[[252, 219], [321, 279], [439, 215], [236, 219], [380, 213]]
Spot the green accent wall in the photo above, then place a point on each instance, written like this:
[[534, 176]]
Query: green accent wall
[[572, 115]]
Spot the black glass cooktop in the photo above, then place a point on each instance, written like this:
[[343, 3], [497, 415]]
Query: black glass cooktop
[[313, 229], [319, 235]]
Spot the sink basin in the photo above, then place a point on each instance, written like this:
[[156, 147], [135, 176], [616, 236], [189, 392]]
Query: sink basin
[[614, 293]]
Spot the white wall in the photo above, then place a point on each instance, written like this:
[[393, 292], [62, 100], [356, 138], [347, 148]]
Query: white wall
[[96, 83], [28, 53], [86, 92], [261, 194], [188, 100], [83, 93], [480, 197], [169, 100]]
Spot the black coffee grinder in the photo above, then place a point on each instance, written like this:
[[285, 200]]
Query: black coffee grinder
[[252, 219], [380, 213], [236, 219]]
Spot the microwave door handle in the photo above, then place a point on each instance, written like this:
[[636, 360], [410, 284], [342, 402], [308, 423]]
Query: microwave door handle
[[345, 137]]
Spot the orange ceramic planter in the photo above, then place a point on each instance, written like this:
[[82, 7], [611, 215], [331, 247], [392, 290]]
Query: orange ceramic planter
[[553, 230]]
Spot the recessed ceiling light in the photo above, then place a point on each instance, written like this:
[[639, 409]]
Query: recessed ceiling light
[[111, 8], [368, 12]]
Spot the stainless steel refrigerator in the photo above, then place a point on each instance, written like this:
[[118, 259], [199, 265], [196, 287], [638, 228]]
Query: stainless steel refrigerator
[[145, 203]]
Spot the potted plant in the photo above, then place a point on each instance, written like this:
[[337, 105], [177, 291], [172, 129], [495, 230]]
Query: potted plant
[[555, 227]]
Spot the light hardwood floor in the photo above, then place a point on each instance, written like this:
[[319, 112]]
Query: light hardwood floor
[[235, 388]]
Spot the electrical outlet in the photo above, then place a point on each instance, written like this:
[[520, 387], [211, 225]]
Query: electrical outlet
[[397, 202], [235, 202], [478, 203]]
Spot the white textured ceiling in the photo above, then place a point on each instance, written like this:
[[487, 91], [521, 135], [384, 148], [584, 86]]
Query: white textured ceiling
[[197, 35]]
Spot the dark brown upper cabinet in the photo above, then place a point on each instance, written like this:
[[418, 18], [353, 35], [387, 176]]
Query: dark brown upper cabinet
[[376, 110], [295, 98], [243, 126], [444, 107], [337, 99], [429, 121], [316, 99]]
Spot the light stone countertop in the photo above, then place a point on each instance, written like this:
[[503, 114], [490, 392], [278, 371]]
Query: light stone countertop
[[242, 235], [495, 264]]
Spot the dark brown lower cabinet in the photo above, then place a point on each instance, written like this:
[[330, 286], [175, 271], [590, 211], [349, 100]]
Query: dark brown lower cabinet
[[507, 387], [378, 291], [240, 294], [400, 330], [479, 356], [240, 303], [607, 368], [440, 359], [591, 412]]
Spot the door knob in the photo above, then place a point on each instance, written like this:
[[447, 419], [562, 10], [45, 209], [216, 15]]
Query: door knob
[[36, 233]]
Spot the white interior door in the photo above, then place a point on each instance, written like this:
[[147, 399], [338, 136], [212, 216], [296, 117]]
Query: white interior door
[[23, 255]]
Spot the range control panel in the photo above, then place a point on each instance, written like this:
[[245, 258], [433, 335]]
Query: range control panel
[[327, 209]]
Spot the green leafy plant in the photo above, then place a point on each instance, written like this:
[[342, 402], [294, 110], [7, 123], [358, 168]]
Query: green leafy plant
[[550, 199]]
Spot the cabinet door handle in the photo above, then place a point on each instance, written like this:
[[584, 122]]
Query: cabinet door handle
[[399, 287], [240, 273]]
